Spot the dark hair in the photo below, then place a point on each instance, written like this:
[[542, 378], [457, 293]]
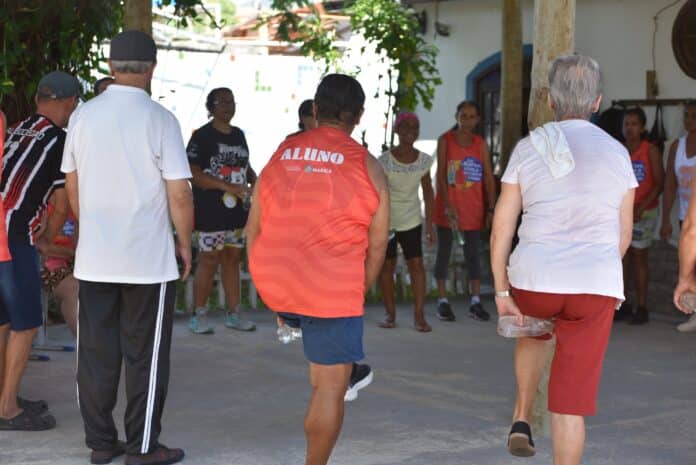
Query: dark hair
[[468, 103], [640, 114], [99, 82], [212, 95], [339, 98], [306, 109], [462, 104]]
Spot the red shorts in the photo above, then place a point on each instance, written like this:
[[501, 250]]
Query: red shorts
[[583, 326]]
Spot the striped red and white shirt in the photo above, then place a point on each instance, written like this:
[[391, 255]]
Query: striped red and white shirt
[[33, 152]]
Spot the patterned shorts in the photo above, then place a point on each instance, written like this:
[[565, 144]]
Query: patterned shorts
[[218, 240], [51, 279], [644, 230]]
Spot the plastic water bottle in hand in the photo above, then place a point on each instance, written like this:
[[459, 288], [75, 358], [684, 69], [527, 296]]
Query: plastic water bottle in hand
[[688, 301], [287, 334], [532, 327], [454, 226]]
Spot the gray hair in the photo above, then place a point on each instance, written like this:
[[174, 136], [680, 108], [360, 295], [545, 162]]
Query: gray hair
[[575, 84], [131, 66]]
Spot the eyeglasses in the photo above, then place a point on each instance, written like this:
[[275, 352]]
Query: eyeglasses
[[224, 102]]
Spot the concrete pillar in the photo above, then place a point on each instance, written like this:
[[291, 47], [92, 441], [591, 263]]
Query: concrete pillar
[[511, 82]]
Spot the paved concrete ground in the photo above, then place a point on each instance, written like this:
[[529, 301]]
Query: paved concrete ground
[[443, 398]]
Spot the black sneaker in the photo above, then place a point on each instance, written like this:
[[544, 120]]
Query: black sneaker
[[477, 312], [444, 311], [625, 312], [641, 317], [360, 378]]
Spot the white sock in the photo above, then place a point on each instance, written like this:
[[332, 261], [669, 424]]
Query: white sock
[[475, 300], [442, 300]]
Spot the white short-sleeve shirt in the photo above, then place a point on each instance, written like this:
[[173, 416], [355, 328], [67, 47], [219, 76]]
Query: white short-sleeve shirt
[[124, 146], [571, 228]]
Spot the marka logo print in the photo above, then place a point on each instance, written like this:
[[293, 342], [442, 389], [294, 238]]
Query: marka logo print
[[313, 154]]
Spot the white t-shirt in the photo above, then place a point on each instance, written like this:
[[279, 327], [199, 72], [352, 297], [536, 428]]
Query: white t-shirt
[[124, 146], [404, 180], [685, 170], [571, 228]]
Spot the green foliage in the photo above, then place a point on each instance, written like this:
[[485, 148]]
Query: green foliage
[[305, 30], [39, 36], [37, 39], [394, 31], [391, 27]]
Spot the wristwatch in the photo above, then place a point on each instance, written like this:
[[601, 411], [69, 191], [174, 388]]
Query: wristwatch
[[503, 293]]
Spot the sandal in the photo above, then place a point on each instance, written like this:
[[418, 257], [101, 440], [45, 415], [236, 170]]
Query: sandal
[[423, 327], [520, 442], [388, 323], [34, 407], [26, 421]]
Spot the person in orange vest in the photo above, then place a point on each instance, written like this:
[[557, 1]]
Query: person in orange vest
[[317, 236], [463, 204], [647, 166]]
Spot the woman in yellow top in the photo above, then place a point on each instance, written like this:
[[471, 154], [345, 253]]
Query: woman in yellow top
[[407, 169]]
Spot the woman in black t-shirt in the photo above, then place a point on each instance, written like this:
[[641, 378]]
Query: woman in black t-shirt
[[222, 181]]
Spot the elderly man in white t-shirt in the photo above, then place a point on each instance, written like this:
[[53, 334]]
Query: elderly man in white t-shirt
[[574, 185], [127, 180]]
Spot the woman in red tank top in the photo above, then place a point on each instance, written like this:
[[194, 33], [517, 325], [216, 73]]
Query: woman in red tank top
[[647, 166], [463, 204]]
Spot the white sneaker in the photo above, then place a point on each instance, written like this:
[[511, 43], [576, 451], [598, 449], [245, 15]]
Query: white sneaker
[[688, 326]]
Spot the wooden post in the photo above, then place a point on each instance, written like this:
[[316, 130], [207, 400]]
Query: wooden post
[[138, 16], [554, 35], [511, 82]]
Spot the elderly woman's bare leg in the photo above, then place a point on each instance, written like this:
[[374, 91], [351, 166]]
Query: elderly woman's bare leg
[[568, 433], [531, 356]]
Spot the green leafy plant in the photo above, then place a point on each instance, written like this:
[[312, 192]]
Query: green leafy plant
[[39, 36], [388, 25]]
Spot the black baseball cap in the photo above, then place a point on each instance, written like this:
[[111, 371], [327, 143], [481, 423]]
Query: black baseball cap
[[58, 85], [133, 46]]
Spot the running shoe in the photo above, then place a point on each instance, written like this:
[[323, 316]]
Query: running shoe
[[199, 324], [444, 311], [234, 321], [360, 378], [477, 312], [689, 326], [641, 317], [625, 312]]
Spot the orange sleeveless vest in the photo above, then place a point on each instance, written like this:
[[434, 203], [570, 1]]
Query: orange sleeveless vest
[[317, 203], [464, 184], [640, 159]]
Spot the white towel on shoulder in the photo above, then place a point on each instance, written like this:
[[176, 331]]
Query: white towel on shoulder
[[552, 145]]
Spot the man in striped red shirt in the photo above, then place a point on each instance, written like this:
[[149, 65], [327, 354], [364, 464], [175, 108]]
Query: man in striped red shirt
[[317, 236], [30, 174]]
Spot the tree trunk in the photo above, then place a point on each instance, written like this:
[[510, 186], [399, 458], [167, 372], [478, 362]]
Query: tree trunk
[[138, 16], [511, 82], [554, 35]]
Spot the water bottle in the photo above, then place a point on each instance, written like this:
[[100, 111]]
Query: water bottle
[[456, 233], [287, 334], [532, 327], [688, 301]]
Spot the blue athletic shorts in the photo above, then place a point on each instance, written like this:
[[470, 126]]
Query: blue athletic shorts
[[329, 341], [20, 289]]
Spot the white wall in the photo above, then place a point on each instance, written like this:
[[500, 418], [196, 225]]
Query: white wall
[[266, 115], [618, 33]]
